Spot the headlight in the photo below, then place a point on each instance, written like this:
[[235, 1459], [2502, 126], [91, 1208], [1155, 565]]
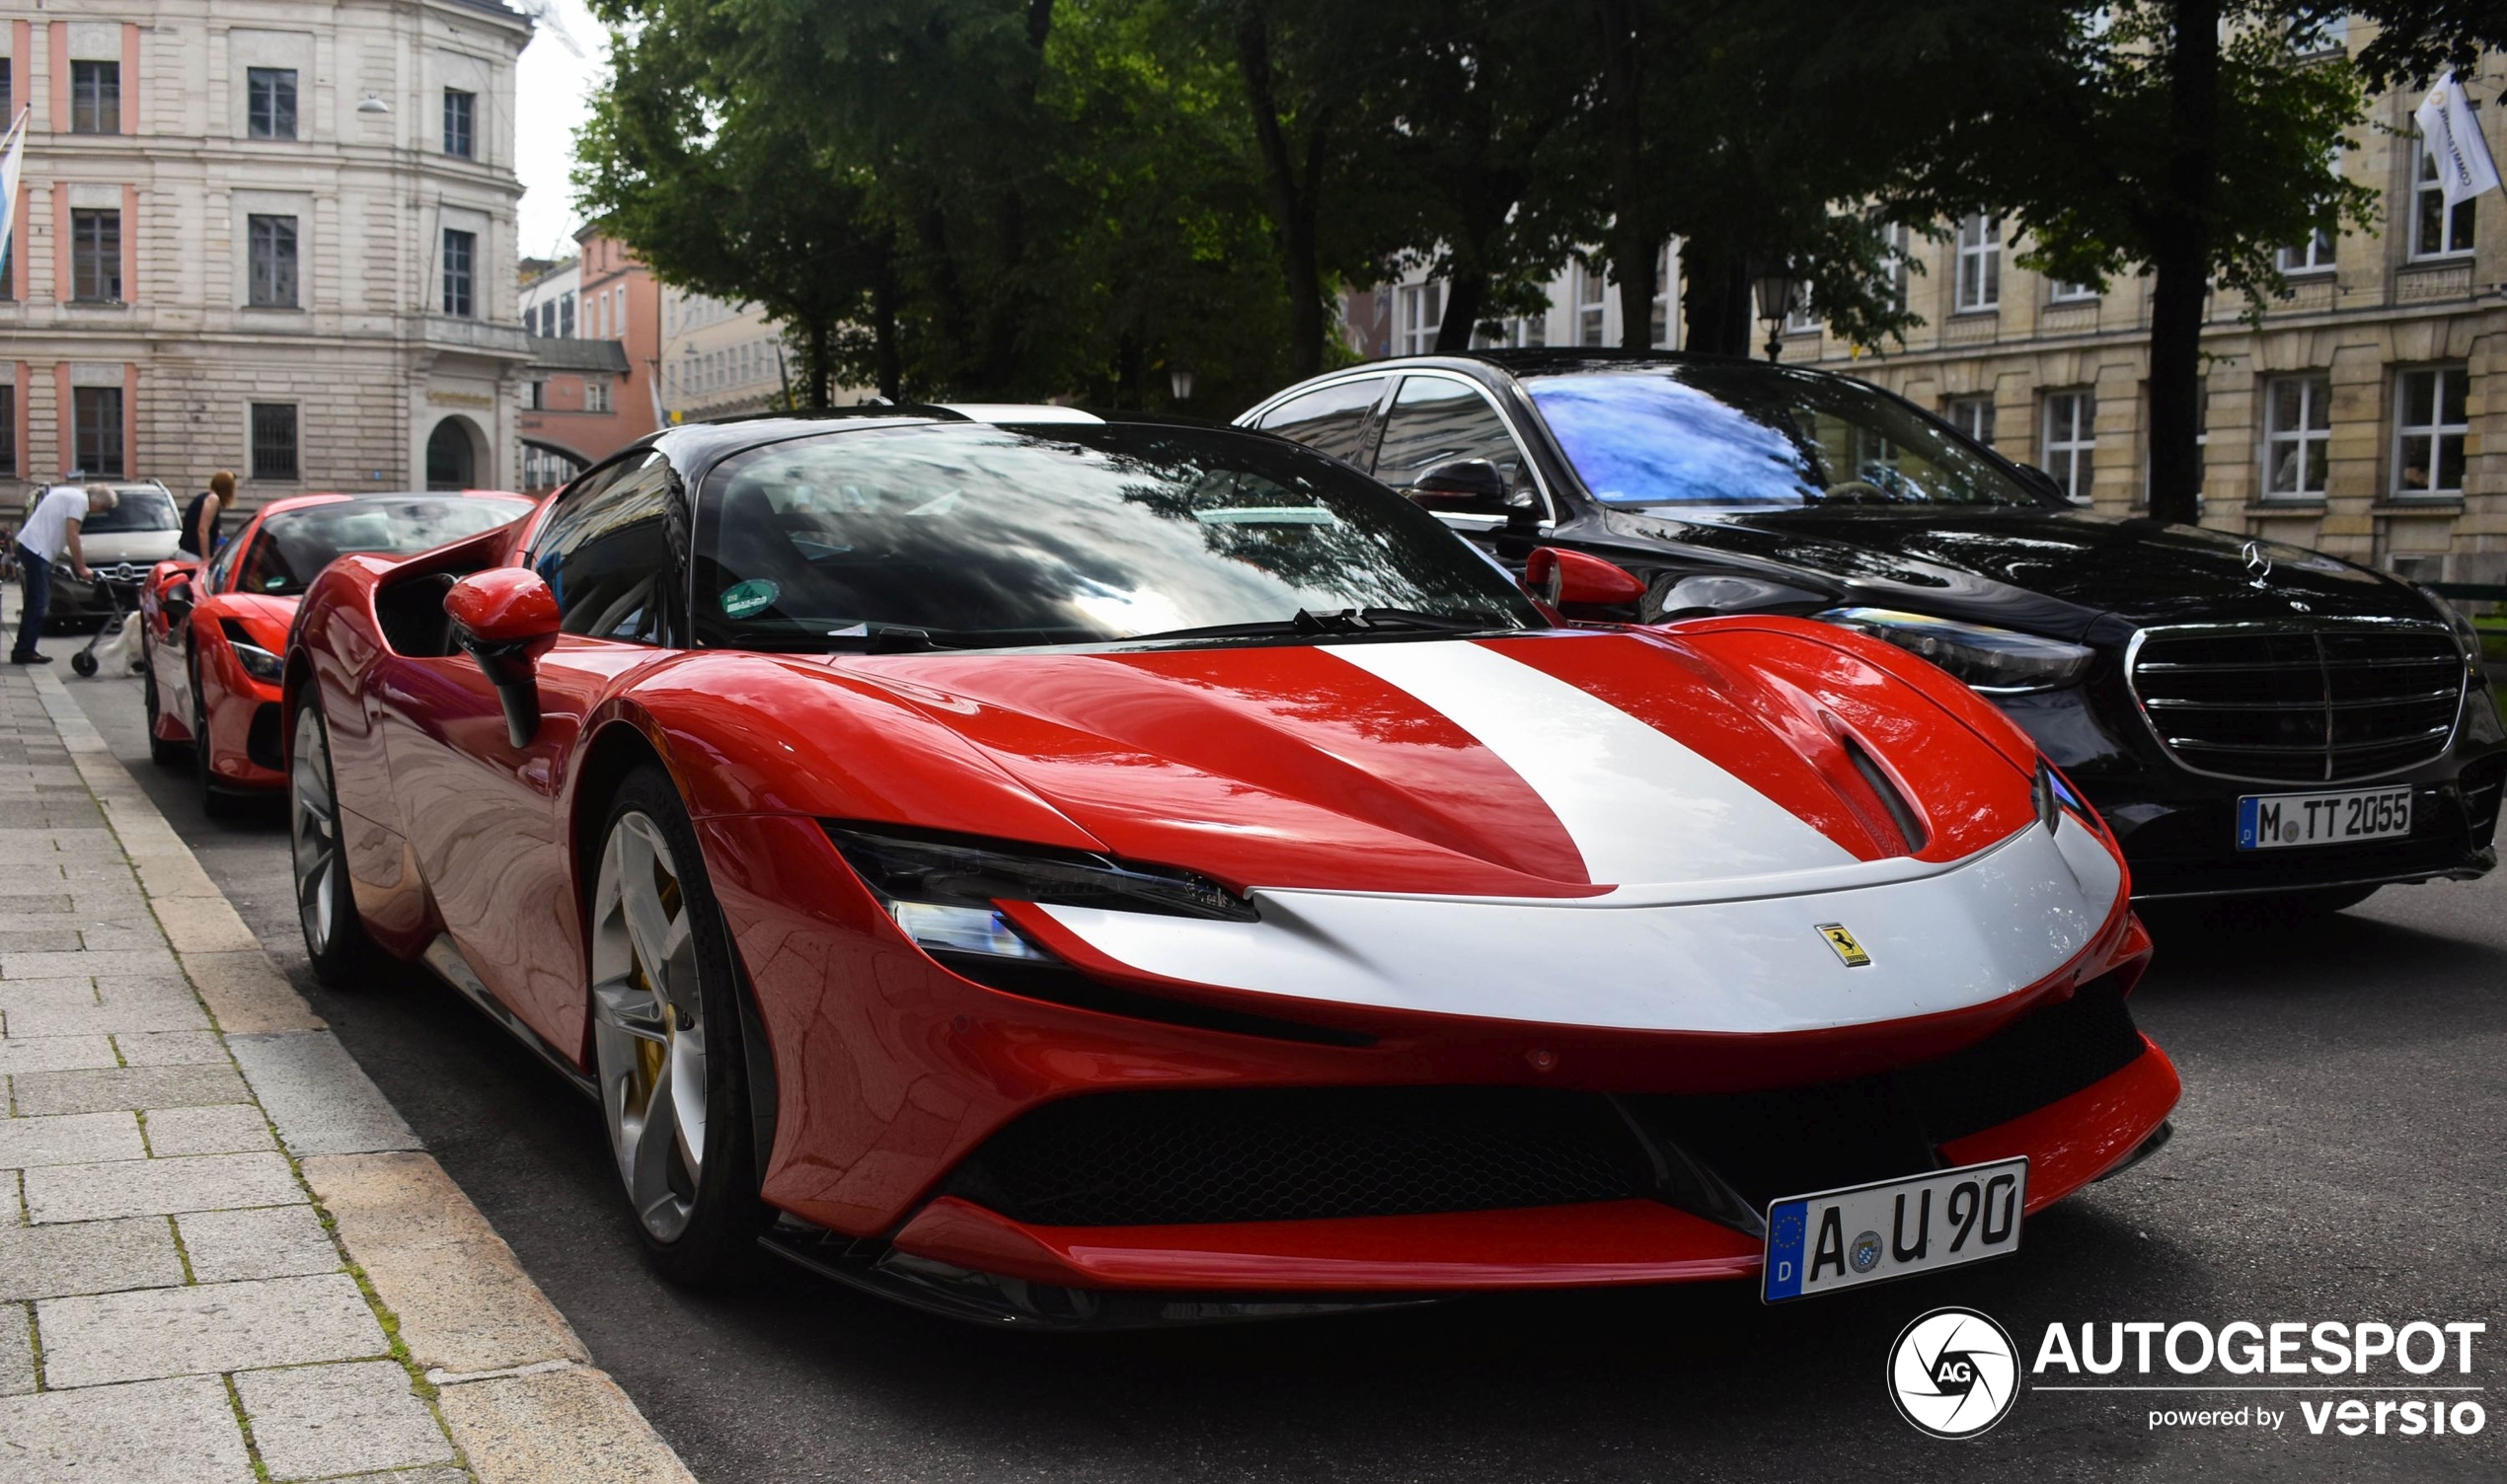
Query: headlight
[[1996, 661], [942, 891], [257, 662]]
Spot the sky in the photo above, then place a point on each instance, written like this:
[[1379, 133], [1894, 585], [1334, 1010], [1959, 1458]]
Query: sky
[[551, 85]]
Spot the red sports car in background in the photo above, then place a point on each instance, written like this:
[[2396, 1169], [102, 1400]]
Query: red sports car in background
[[210, 640], [1059, 872]]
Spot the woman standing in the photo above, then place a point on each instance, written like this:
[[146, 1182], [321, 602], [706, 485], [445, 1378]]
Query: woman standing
[[199, 522]]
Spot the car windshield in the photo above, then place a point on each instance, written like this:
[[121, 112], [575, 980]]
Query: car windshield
[[1744, 435], [971, 536], [139, 507], [294, 545]]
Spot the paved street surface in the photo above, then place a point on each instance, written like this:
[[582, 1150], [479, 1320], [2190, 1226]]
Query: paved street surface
[[2338, 1155]]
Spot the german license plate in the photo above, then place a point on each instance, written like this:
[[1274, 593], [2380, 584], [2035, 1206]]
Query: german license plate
[[2276, 821], [1871, 1233]]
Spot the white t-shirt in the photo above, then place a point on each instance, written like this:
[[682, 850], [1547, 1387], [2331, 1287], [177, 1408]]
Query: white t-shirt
[[47, 533]]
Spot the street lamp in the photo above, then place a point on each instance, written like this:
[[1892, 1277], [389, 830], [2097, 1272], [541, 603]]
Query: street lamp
[[1179, 381], [373, 105], [1773, 288]]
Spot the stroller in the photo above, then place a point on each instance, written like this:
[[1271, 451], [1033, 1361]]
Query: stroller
[[115, 644]]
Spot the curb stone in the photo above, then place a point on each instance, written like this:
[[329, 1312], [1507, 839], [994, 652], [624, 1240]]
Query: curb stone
[[510, 1392]]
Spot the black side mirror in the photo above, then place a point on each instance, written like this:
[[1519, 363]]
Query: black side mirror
[[2044, 482], [1465, 487]]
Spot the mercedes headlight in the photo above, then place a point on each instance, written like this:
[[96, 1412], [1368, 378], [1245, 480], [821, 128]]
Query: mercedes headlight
[[941, 891], [1995, 662]]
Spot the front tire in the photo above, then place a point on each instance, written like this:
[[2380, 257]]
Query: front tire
[[215, 801], [325, 905], [667, 1042]]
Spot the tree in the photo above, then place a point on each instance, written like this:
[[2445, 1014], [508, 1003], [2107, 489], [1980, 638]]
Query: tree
[[2189, 139]]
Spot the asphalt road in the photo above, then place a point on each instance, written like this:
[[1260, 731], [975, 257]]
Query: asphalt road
[[2342, 1153]]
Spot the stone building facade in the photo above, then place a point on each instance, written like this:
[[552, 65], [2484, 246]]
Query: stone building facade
[[2365, 415], [272, 236], [720, 359]]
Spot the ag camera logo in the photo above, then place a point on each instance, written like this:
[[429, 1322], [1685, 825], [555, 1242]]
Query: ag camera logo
[[1953, 1373]]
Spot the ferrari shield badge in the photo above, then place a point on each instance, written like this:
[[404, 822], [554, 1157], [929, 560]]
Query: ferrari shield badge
[[1848, 950]]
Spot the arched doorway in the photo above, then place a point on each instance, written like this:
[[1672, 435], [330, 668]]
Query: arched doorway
[[452, 458]]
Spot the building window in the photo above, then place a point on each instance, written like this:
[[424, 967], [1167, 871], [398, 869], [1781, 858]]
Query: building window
[[1417, 310], [1592, 302], [2064, 291], [1979, 285], [2435, 231], [2313, 255], [2071, 441], [272, 243], [1658, 329], [96, 258], [461, 123], [275, 440], [270, 110], [2297, 433], [2428, 454], [1897, 248], [460, 257], [96, 98], [536, 397], [1799, 317], [7, 426], [96, 431], [1974, 416], [596, 394], [566, 316]]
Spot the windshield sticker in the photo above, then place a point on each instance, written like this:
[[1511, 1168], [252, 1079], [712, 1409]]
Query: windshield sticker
[[742, 599]]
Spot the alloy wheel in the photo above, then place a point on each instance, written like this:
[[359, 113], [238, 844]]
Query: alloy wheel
[[647, 1025], [313, 833]]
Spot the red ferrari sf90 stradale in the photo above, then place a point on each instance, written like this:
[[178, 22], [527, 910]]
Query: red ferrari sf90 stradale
[[1063, 871]]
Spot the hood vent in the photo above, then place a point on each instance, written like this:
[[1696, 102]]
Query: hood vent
[[1910, 825]]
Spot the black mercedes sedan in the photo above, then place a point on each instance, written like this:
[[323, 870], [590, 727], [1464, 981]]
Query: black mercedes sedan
[[2256, 721]]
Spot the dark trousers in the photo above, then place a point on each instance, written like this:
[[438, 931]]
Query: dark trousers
[[34, 585]]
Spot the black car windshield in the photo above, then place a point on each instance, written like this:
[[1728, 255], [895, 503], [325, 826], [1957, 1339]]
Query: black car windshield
[[1743, 436], [973, 536], [294, 545], [135, 508]]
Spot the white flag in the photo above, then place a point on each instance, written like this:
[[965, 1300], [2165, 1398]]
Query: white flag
[[2464, 166], [12, 154]]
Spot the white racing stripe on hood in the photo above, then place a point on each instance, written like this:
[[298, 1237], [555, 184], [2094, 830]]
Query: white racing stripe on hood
[[1640, 807]]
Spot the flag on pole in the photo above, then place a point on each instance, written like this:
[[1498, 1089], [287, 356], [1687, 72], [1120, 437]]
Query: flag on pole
[[2464, 168], [12, 155]]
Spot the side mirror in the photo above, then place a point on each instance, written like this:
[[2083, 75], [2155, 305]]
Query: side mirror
[[505, 619], [1571, 579], [1467, 487], [1709, 593]]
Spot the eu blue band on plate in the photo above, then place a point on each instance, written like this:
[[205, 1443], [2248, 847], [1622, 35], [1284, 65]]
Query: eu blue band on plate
[[2248, 809], [1784, 1233]]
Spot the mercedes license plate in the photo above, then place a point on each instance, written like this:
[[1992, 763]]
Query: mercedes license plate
[[2274, 820], [1871, 1233]]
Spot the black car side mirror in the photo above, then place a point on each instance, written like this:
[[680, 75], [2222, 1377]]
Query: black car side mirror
[[2043, 483], [1463, 486]]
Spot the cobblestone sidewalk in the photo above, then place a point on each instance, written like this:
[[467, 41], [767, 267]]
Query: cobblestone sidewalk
[[224, 1256]]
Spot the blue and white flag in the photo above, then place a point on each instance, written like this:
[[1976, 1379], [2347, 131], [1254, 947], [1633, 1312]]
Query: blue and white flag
[[2464, 168]]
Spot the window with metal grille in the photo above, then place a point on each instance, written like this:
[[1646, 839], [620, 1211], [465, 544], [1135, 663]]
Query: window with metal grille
[[1979, 263], [2428, 443], [2297, 433], [94, 98], [275, 440], [461, 123], [2071, 442], [96, 258], [95, 435], [272, 247], [461, 249], [1974, 416], [270, 103]]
